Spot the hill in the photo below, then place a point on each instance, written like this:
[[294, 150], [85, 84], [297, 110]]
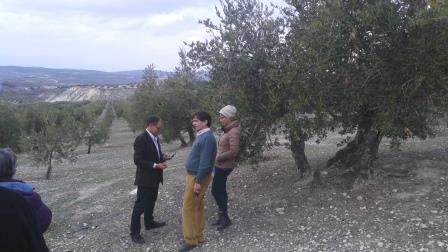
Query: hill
[[15, 76], [29, 84]]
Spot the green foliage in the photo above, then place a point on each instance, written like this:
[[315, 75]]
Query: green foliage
[[53, 131], [245, 57], [95, 120], [380, 61], [54, 135], [9, 127], [144, 102], [119, 107], [376, 67], [180, 97], [175, 100]]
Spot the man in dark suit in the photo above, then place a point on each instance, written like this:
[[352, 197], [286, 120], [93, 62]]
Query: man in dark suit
[[150, 162]]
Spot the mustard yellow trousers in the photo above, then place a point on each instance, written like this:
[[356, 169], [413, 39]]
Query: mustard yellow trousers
[[193, 217]]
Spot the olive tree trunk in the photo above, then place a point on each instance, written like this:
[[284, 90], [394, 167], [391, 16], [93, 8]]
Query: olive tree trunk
[[359, 154], [297, 141], [183, 143], [49, 168], [191, 135]]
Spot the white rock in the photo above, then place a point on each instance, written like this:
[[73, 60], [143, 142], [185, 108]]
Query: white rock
[[380, 244], [280, 210], [359, 197]]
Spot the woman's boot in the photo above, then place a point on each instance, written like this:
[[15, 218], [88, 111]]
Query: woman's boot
[[218, 221], [225, 222]]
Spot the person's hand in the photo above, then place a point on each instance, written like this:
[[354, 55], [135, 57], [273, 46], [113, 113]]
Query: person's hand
[[168, 156], [161, 166], [197, 189]]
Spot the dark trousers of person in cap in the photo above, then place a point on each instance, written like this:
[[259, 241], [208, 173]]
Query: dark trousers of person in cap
[[219, 190]]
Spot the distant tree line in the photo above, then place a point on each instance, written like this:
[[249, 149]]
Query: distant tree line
[[175, 99], [49, 132]]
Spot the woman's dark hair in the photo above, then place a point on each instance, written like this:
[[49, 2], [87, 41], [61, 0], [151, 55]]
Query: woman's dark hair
[[152, 120], [7, 163], [203, 116]]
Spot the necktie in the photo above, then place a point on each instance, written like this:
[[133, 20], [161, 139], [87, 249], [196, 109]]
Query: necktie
[[156, 139]]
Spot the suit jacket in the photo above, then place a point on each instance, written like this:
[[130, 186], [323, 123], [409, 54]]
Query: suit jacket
[[145, 156]]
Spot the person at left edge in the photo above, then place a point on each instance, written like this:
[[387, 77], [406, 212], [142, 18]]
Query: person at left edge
[[150, 162]]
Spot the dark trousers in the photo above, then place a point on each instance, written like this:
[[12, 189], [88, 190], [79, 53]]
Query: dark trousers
[[146, 200], [219, 190]]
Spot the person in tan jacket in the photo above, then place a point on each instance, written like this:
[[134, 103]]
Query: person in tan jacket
[[228, 149]]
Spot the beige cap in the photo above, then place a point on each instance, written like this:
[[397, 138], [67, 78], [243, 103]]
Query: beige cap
[[228, 111]]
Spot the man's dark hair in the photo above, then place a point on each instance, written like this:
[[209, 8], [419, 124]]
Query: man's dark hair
[[152, 120], [203, 116]]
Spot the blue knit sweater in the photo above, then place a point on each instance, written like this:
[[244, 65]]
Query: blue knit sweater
[[201, 160]]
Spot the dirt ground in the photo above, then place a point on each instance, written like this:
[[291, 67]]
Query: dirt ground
[[403, 208]]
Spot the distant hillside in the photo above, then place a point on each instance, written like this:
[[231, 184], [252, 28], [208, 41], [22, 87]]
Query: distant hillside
[[91, 93], [13, 76], [31, 84]]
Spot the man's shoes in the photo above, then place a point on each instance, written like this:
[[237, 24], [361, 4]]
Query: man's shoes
[[154, 224], [137, 238], [187, 247]]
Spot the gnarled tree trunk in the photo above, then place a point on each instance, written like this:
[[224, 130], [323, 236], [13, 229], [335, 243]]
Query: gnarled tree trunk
[[297, 147], [49, 168], [191, 135], [89, 145], [183, 143], [359, 154]]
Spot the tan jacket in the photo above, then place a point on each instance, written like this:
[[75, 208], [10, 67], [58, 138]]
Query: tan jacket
[[229, 146]]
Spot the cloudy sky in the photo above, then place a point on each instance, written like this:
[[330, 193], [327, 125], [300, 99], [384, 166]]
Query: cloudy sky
[[107, 35]]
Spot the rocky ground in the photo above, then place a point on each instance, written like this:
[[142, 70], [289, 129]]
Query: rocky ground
[[402, 208]]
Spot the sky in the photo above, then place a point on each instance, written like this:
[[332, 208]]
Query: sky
[[105, 35]]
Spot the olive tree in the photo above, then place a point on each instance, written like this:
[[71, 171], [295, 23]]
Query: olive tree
[[373, 68]]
